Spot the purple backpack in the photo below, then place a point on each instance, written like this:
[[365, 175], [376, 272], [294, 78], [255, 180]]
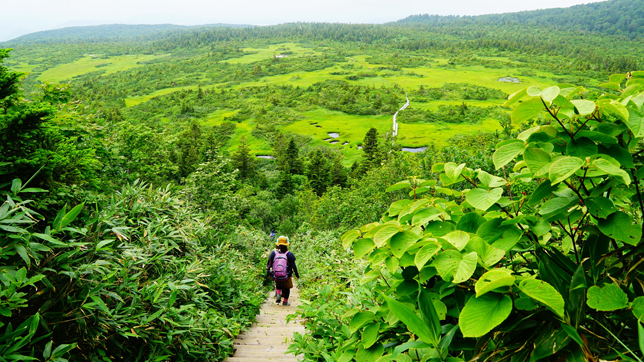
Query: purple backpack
[[280, 266]]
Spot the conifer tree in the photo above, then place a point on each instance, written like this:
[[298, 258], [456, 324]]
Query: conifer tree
[[285, 184], [243, 161], [371, 149], [189, 144], [318, 172], [338, 174], [291, 160]]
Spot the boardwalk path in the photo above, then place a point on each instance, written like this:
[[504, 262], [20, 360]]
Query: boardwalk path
[[395, 126], [270, 336]]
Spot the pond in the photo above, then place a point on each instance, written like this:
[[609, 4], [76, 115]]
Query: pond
[[414, 149], [333, 134]]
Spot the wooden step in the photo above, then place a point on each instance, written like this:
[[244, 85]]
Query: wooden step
[[270, 336]]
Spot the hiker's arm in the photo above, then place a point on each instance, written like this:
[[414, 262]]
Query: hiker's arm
[[269, 264], [297, 274]]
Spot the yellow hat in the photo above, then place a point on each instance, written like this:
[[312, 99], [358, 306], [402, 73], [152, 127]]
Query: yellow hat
[[282, 240]]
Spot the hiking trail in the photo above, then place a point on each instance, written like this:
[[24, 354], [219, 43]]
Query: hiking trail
[[270, 336]]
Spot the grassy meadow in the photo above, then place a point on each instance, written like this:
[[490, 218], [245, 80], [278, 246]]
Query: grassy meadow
[[94, 63], [317, 123]]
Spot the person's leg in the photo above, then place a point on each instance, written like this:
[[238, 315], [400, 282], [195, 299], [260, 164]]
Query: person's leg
[[278, 291], [286, 292]]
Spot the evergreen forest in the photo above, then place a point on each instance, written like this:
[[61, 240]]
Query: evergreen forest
[[498, 216]]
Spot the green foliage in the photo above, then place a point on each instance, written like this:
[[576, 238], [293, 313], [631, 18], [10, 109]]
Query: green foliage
[[492, 255], [36, 138], [140, 279]]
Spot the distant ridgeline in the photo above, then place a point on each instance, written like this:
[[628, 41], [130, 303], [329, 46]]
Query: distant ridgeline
[[614, 17], [106, 32]]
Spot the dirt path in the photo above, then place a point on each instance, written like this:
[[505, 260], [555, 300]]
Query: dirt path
[[270, 336]]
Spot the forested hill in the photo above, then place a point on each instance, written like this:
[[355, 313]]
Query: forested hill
[[614, 17], [106, 32]]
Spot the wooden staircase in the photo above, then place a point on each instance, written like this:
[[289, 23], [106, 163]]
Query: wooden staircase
[[270, 336]]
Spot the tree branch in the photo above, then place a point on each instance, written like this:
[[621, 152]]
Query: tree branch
[[555, 117]]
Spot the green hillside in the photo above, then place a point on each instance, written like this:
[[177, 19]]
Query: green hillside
[[612, 17], [103, 32]]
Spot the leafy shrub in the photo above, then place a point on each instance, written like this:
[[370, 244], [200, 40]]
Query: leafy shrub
[[490, 275], [141, 279]]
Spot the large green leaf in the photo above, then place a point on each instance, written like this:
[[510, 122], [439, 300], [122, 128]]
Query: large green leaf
[[616, 109], [563, 168], [425, 253], [469, 222], [581, 147], [453, 267], [508, 239], [488, 180], [362, 247], [640, 336], [493, 279], [638, 308], [401, 241], [483, 199], [506, 153], [636, 123], [453, 171], [398, 206], [349, 237], [457, 239], [70, 216], [370, 354], [359, 320], [544, 293], [515, 97], [584, 107], [412, 321], [597, 137], [423, 216], [488, 254], [480, 315], [609, 298], [384, 234], [543, 191], [536, 158], [557, 204], [620, 226], [616, 78], [399, 186], [550, 93], [378, 256], [429, 314], [370, 335], [491, 230], [600, 207], [612, 170], [527, 110]]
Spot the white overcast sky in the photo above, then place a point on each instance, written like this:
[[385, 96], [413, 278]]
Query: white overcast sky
[[18, 17]]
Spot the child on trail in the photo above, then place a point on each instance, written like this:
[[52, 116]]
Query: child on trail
[[281, 265]]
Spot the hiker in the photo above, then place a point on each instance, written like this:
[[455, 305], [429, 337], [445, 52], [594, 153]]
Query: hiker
[[281, 266], [272, 235]]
